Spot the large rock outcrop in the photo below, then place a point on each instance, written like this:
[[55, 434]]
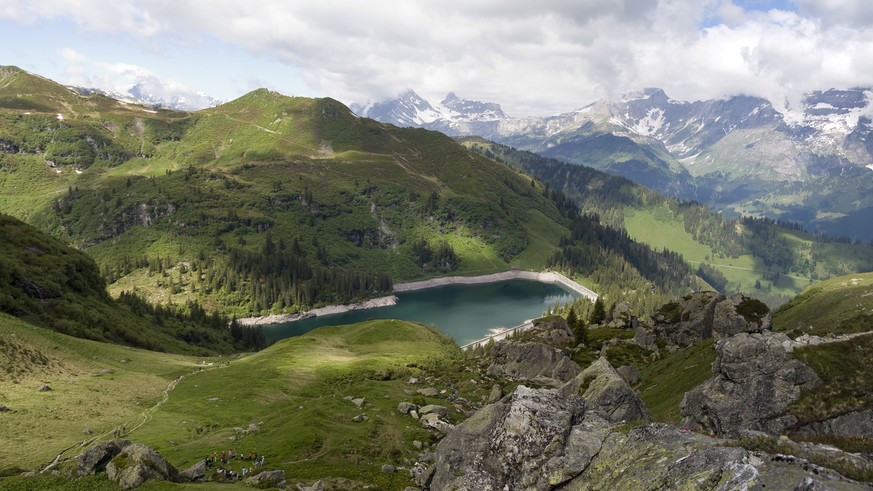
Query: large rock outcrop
[[856, 424], [606, 393], [525, 441], [128, 464], [138, 463], [700, 316], [754, 379], [95, 459], [542, 439], [552, 330], [659, 456], [537, 362]]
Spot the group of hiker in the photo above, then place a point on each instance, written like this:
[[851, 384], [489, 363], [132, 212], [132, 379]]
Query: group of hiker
[[226, 458]]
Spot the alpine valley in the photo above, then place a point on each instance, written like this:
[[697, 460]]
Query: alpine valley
[[131, 237], [811, 165]]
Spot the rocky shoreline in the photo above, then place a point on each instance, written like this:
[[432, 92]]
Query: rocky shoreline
[[373, 303], [543, 277]]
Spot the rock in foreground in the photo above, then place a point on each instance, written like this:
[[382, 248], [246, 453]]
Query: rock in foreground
[[754, 379]]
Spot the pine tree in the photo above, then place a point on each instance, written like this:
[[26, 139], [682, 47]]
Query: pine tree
[[572, 319], [598, 313]]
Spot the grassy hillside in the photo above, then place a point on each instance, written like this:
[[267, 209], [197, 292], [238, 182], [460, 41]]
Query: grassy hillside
[[96, 387], [832, 306], [48, 284], [293, 392], [762, 258], [835, 307], [162, 200]]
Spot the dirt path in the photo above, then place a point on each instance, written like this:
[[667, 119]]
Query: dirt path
[[119, 431], [807, 340]]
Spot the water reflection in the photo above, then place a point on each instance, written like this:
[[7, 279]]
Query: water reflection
[[465, 312]]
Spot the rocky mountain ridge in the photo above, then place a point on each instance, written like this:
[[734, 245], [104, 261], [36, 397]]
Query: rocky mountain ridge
[[834, 121]]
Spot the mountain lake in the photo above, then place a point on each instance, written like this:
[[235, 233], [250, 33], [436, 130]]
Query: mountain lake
[[464, 312]]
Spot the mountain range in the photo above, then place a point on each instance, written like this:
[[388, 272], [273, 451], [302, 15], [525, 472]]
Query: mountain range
[[154, 96], [739, 155]]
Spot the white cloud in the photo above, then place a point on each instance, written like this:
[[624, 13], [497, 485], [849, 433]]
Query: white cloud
[[129, 80], [532, 57]]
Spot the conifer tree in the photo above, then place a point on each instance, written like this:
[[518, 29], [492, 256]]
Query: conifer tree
[[598, 313]]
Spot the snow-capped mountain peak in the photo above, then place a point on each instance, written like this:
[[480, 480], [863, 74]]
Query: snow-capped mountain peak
[[141, 94], [410, 109]]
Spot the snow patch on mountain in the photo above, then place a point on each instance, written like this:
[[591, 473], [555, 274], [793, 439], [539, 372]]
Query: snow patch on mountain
[[651, 124]]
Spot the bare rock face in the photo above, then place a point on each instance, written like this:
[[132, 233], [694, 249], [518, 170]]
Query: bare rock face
[[739, 313], [540, 439], [700, 316], [96, 458], [856, 424], [552, 330], [138, 463], [660, 456], [531, 361], [606, 393], [754, 380], [689, 321], [268, 479], [197, 471], [526, 441]]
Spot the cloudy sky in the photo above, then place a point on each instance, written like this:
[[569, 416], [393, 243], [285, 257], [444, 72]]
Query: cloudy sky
[[532, 57]]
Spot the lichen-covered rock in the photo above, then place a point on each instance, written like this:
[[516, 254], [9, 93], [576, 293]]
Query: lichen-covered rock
[[137, 463], [531, 361], [495, 395], [739, 313], [754, 380], [523, 442], [688, 321], [552, 330], [704, 315], [606, 393], [659, 456], [856, 424]]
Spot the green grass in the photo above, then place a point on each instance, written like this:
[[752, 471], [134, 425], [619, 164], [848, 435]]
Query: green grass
[[829, 306], [664, 383], [660, 228], [543, 235], [847, 379], [294, 391], [96, 386]]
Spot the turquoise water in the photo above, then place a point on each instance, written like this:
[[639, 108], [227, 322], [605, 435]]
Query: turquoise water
[[464, 312]]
